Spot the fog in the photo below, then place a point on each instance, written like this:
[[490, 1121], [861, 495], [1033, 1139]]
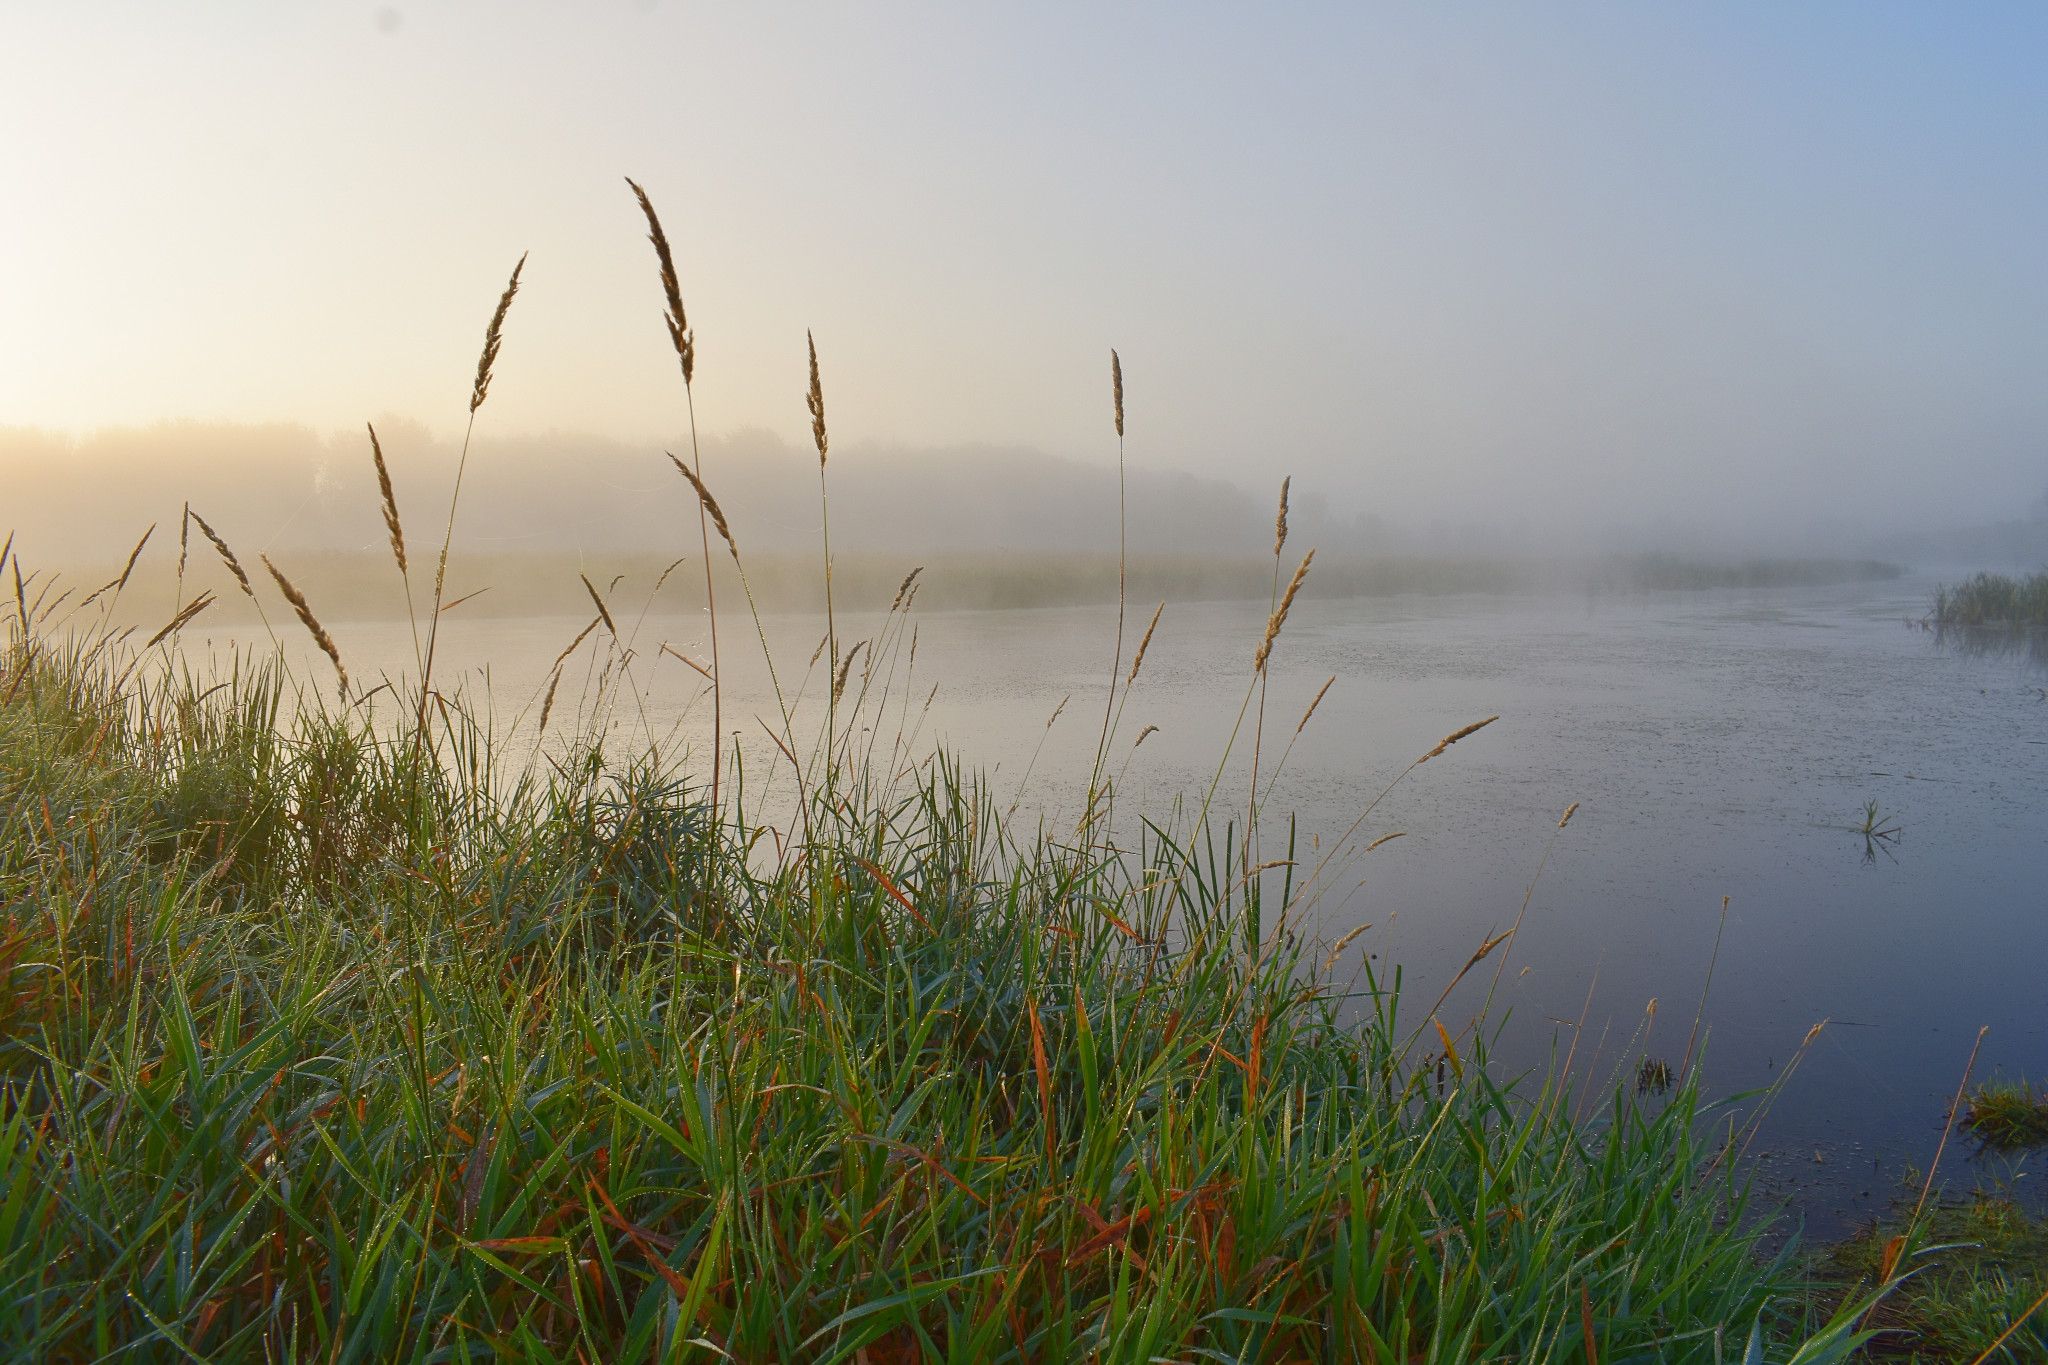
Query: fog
[[1741, 281], [563, 499]]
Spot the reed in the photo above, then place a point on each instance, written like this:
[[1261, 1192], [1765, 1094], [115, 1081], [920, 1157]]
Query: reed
[[814, 401], [1145, 643], [394, 528], [1279, 619], [304, 611], [480, 387], [1994, 601], [177, 622], [683, 340], [227, 556], [1116, 658]]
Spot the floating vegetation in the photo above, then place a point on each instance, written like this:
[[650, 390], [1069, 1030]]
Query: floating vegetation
[[1879, 828], [2006, 1116]]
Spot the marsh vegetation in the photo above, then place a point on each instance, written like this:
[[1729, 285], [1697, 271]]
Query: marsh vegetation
[[1994, 601]]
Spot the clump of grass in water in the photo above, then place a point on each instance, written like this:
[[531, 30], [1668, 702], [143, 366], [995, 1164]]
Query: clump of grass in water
[[2008, 1116], [310, 1047], [1993, 600]]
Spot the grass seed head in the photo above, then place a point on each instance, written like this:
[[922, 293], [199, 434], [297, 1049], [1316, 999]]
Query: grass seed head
[[815, 400], [1454, 736], [392, 526], [710, 505], [304, 611], [1138, 659], [1317, 701], [603, 612], [494, 337], [227, 556], [679, 334], [1279, 617], [1116, 389], [176, 623]]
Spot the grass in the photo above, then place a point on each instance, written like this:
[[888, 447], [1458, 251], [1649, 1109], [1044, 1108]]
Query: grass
[[2007, 1116], [313, 1048], [1991, 1269], [1993, 600], [331, 1027]]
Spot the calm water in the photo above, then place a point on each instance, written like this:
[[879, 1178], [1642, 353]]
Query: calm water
[[1720, 744]]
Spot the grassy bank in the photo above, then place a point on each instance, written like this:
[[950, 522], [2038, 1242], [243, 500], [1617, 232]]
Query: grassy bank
[[316, 1048], [1980, 1293]]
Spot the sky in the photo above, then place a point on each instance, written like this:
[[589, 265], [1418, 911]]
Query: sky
[[1656, 266]]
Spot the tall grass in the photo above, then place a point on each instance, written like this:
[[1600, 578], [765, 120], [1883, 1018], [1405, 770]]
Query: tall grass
[[327, 1038], [1993, 599]]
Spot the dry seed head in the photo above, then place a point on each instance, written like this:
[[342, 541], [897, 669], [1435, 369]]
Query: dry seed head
[[816, 402], [1279, 617], [304, 611], [710, 505], [679, 333], [674, 564], [1280, 521], [190, 610], [1148, 730], [133, 555], [1057, 709], [904, 587], [1454, 736], [1138, 659], [1116, 388], [581, 636], [494, 337], [548, 702], [846, 667], [227, 556], [1490, 944], [1386, 839], [1573, 809], [603, 612], [1314, 704], [1337, 948], [675, 653], [392, 527], [184, 539]]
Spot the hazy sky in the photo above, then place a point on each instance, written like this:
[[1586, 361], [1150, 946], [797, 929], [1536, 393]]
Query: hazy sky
[[1643, 263]]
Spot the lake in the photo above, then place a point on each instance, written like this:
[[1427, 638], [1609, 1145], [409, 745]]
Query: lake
[[1720, 743]]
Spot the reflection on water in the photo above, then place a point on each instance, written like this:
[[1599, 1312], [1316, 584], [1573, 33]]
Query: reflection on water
[[2028, 644], [1722, 743]]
